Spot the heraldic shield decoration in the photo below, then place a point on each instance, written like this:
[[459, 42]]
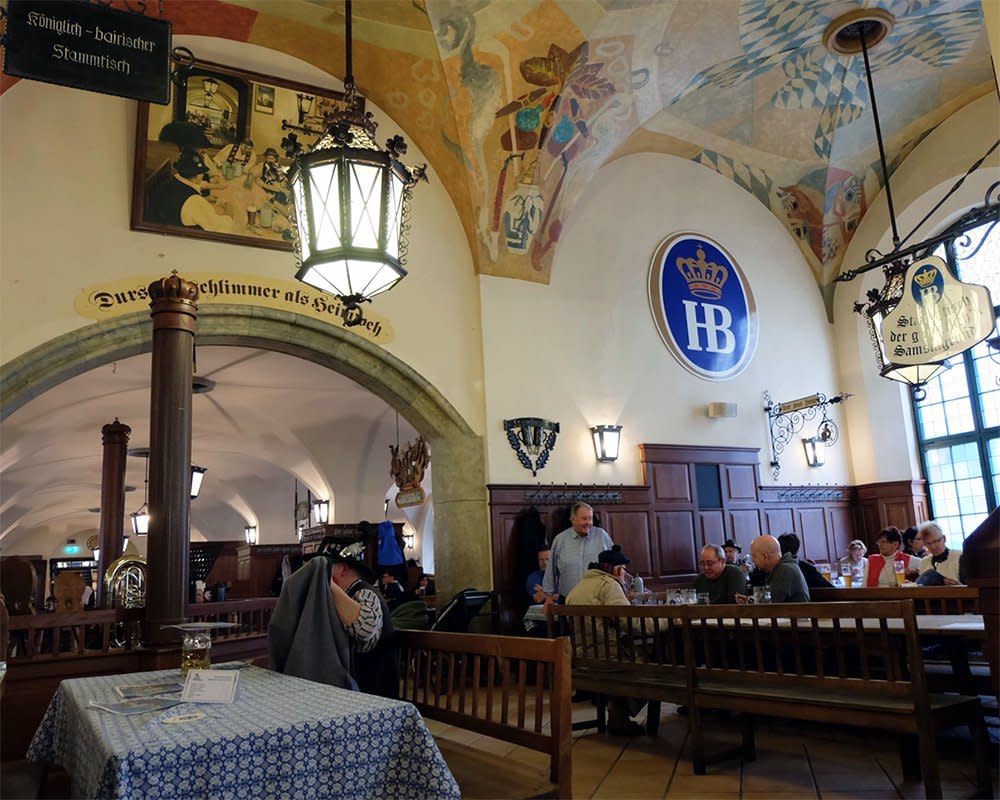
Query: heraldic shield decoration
[[702, 306]]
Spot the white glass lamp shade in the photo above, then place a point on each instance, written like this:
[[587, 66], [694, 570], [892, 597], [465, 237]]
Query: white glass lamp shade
[[350, 206], [197, 476], [140, 522], [607, 441], [250, 534], [815, 450], [321, 510]]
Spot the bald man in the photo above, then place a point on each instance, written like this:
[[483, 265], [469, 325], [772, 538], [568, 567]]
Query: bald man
[[781, 572]]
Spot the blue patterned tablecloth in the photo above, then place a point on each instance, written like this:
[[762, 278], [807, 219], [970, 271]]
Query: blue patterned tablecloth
[[283, 737]]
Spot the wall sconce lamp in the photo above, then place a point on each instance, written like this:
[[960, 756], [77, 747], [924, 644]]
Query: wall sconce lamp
[[197, 476], [321, 510], [409, 536], [787, 419], [532, 440], [250, 534], [607, 441], [815, 451]]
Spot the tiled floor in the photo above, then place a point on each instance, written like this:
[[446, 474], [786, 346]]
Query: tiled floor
[[794, 760]]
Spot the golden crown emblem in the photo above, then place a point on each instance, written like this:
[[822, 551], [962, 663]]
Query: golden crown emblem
[[926, 276], [704, 278]]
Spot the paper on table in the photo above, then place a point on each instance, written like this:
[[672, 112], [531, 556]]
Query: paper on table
[[140, 705], [135, 690], [211, 686]]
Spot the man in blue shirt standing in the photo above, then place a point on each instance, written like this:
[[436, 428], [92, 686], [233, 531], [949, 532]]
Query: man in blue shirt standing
[[573, 551]]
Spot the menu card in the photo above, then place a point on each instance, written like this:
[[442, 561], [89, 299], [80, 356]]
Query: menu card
[[210, 686]]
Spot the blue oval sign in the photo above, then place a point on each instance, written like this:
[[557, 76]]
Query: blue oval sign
[[702, 306]]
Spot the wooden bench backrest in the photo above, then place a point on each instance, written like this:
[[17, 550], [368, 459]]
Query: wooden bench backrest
[[628, 636], [506, 687], [835, 646], [926, 599]]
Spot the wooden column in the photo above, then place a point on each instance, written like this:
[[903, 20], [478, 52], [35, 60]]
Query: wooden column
[[114, 437], [174, 304]]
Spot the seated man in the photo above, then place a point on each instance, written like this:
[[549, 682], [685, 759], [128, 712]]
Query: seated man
[[781, 572], [789, 543], [601, 585], [533, 586], [942, 566], [366, 618], [881, 570], [720, 580]]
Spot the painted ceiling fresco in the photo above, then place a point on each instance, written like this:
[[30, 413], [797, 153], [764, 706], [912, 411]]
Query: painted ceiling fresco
[[518, 103]]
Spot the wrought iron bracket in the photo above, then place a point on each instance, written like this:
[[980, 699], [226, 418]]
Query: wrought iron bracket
[[788, 418], [532, 440]]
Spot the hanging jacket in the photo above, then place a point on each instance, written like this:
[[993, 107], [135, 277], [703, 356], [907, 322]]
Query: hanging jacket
[[389, 551], [305, 637]]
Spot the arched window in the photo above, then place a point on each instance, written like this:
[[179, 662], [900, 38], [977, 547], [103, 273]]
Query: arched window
[[958, 423]]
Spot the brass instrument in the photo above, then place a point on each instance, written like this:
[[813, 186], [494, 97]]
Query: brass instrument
[[125, 582]]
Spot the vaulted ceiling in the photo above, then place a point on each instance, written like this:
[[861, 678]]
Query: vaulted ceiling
[[518, 103]]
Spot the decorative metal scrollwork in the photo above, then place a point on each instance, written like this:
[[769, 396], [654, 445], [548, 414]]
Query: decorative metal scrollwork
[[562, 496], [787, 419]]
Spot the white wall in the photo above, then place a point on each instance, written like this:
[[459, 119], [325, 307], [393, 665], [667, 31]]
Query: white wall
[[584, 350], [879, 417]]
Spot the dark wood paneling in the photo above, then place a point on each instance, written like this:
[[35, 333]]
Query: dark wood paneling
[[811, 530], [839, 531], [675, 536], [631, 531], [744, 527], [899, 503], [740, 483], [671, 483], [777, 520], [712, 528]]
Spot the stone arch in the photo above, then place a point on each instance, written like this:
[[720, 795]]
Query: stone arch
[[462, 542]]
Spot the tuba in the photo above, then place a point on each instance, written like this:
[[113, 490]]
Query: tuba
[[125, 582]]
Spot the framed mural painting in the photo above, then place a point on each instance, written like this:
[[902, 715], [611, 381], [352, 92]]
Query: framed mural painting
[[213, 163]]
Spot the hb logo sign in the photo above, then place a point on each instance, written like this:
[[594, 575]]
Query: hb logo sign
[[702, 306]]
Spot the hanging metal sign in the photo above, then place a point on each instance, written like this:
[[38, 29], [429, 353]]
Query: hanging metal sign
[[89, 47], [938, 316], [702, 306]]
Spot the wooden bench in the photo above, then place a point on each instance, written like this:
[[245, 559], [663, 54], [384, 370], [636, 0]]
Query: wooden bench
[[926, 599], [625, 651], [511, 688], [826, 663]]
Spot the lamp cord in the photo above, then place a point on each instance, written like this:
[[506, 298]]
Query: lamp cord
[[349, 76], [878, 137]]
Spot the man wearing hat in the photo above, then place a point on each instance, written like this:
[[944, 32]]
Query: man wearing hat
[[732, 551], [366, 619], [601, 585]]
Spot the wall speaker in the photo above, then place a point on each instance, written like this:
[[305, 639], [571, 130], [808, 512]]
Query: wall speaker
[[721, 410]]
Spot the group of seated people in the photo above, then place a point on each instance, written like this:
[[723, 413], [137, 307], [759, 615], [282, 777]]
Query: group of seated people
[[726, 576]]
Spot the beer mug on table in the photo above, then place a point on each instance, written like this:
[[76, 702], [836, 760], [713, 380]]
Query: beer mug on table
[[899, 565]]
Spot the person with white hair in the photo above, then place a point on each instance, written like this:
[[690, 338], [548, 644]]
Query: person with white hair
[[942, 566]]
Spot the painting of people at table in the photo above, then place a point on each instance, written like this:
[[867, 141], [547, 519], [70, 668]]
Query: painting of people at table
[[214, 165]]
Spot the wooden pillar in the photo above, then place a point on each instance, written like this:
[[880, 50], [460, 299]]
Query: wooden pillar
[[114, 437], [174, 304]]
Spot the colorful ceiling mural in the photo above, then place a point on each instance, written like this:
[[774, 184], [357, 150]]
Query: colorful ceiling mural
[[518, 103]]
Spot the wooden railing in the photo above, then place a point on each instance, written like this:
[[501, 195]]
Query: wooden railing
[[40, 637], [251, 616]]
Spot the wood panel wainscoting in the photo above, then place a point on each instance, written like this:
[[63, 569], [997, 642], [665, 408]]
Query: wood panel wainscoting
[[693, 496]]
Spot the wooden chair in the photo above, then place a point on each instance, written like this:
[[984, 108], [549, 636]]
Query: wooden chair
[[68, 588]]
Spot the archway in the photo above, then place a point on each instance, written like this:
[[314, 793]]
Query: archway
[[462, 544]]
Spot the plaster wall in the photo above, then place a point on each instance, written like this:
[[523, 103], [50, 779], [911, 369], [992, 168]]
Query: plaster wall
[[880, 417], [585, 351]]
